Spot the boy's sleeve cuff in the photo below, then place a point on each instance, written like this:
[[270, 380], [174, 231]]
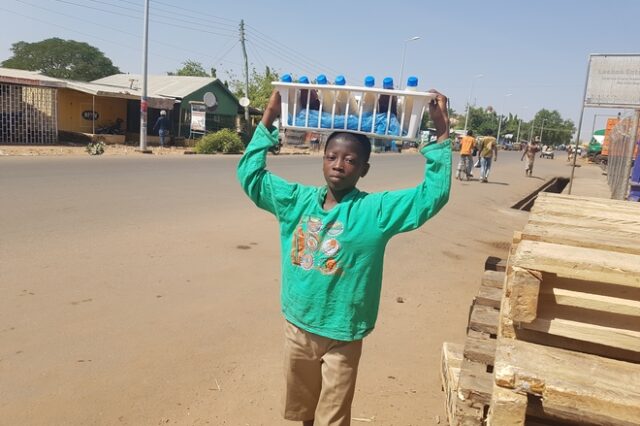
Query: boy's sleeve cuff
[[435, 146], [272, 136]]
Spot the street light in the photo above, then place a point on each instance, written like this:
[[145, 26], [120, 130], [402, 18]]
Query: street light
[[466, 118], [541, 130], [404, 54], [500, 119]]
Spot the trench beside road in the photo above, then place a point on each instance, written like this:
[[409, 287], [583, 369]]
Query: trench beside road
[[139, 290]]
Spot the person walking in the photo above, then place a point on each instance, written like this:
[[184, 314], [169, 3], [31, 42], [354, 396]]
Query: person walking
[[488, 153], [530, 152], [466, 156], [162, 123]]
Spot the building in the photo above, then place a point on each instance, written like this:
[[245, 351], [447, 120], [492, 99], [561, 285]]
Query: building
[[36, 109], [187, 91]]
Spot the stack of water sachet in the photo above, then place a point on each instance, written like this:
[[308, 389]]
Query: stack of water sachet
[[381, 112]]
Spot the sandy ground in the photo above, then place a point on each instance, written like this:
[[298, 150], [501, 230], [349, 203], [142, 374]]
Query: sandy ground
[[107, 319]]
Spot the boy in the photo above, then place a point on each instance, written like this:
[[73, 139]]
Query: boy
[[332, 245], [488, 150]]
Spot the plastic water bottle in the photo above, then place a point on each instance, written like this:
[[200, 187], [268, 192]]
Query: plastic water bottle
[[368, 100], [405, 104], [291, 93], [387, 102], [344, 99], [326, 96], [308, 95]]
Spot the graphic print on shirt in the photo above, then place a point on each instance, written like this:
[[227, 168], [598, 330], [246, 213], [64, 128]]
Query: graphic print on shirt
[[315, 245]]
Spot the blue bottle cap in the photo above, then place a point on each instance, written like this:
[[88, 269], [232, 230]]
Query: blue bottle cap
[[303, 79], [412, 81], [387, 83], [321, 79], [340, 80], [369, 81], [286, 78]]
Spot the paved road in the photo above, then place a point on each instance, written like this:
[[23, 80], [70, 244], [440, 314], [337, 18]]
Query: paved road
[[143, 290]]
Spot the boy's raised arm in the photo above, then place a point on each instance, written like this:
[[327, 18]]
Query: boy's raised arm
[[405, 210], [267, 190]]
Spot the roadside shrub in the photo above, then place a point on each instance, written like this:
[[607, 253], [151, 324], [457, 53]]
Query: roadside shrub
[[225, 140], [96, 146]]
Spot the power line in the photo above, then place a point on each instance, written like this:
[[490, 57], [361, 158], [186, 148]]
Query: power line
[[137, 18], [80, 32], [181, 48], [265, 37], [154, 12], [286, 58]]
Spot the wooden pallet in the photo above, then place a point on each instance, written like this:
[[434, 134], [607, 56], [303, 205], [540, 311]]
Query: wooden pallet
[[572, 298], [578, 290], [468, 395]]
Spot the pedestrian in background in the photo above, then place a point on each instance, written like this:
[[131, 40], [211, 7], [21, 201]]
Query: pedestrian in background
[[488, 154], [466, 155], [162, 123], [530, 152]]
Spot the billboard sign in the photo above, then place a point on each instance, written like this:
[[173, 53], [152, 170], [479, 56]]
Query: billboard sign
[[198, 118], [613, 81]]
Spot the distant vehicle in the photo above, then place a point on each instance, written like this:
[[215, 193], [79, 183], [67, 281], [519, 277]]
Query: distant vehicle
[[547, 154]]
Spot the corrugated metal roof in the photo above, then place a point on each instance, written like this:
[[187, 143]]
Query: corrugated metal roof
[[175, 86], [32, 78]]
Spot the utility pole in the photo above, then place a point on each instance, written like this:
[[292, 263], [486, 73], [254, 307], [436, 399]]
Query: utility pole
[[518, 135], [246, 78], [143, 101]]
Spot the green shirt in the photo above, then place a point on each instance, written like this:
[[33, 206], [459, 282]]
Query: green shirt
[[332, 260]]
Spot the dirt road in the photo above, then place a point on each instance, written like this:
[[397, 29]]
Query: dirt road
[[145, 290]]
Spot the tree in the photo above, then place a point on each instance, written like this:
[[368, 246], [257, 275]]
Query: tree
[[556, 130], [59, 58], [260, 87], [193, 69]]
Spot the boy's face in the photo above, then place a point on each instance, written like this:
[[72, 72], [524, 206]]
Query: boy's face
[[343, 164]]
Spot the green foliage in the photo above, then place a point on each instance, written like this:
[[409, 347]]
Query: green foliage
[[59, 58], [225, 140], [260, 87], [556, 130], [96, 146], [191, 68]]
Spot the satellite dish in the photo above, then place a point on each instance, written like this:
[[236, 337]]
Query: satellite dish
[[244, 102], [210, 100]]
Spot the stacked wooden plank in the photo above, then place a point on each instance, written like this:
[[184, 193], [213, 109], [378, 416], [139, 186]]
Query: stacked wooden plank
[[467, 370], [568, 342]]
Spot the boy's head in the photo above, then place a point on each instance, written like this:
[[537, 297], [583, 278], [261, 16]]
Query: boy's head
[[346, 159], [469, 132]]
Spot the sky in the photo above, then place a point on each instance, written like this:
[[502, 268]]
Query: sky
[[516, 56]]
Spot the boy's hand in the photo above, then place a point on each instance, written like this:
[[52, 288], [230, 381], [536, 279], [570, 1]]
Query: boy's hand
[[440, 116], [272, 111]]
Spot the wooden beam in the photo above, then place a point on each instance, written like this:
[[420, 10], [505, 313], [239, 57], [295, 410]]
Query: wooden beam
[[484, 319], [494, 279], [579, 263], [489, 296], [590, 202], [508, 408], [582, 223], [523, 287], [450, 363], [589, 301], [613, 240], [582, 388], [607, 336], [479, 347]]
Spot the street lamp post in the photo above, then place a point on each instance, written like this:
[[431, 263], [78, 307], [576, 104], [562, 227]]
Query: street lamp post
[[466, 118], [404, 54], [500, 120], [541, 130]]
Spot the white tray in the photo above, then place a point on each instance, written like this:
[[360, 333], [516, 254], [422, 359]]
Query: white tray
[[352, 121]]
